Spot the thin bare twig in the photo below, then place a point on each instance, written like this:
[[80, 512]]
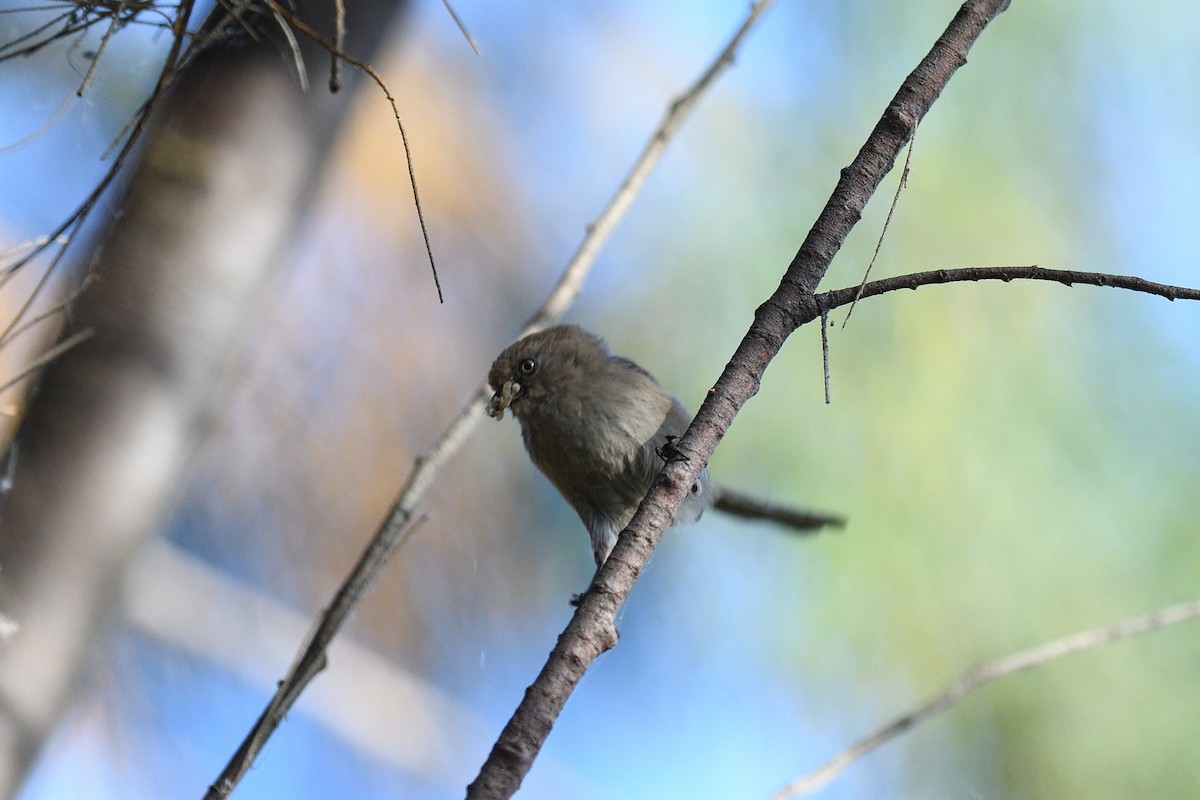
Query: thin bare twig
[[12, 48], [462, 28], [840, 297], [394, 530], [334, 51], [113, 24], [140, 113], [901, 185], [41, 130], [46, 357], [78, 18], [42, 281], [825, 352], [339, 41], [571, 282], [69, 227], [310, 660], [748, 506], [57, 308], [983, 675], [26, 246], [294, 47]]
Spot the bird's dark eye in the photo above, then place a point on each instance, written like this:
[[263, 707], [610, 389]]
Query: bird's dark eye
[[528, 366]]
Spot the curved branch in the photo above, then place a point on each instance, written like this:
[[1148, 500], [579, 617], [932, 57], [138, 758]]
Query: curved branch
[[592, 629], [983, 675], [827, 301], [337, 55]]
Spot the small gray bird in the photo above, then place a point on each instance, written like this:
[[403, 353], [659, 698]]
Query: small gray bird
[[598, 426]]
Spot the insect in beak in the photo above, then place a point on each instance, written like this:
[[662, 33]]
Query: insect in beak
[[502, 399]]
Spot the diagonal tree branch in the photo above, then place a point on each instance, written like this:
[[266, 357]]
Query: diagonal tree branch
[[396, 528], [592, 629], [980, 677]]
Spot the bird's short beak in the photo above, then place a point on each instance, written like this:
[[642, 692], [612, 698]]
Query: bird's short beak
[[502, 399]]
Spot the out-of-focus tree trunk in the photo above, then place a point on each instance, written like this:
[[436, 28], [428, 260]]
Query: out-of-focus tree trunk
[[227, 169]]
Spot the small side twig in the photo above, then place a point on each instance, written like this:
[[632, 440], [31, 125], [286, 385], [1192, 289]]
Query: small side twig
[[41, 130], [58, 308], [367, 69], [113, 24], [747, 506], [294, 47], [825, 352], [572, 280], [830, 300], [339, 40], [64, 234], [46, 357], [901, 185], [980, 677], [462, 28]]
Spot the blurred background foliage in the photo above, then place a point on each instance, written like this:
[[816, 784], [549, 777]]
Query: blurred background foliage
[[1017, 461]]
